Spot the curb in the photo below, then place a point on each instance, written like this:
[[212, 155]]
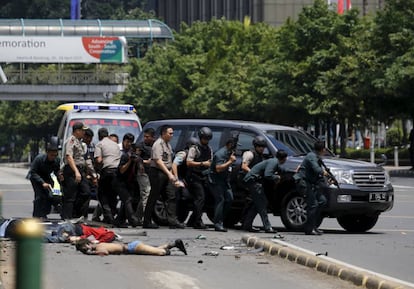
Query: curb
[[330, 266], [402, 173]]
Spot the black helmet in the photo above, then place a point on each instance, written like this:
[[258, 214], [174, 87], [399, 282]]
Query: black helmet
[[259, 141], [205, 132], [191, 141]]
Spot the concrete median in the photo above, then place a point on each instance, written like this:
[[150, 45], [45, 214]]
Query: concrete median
[[320, 262]]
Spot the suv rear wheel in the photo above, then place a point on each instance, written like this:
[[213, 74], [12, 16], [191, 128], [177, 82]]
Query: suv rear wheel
[[357, 223]]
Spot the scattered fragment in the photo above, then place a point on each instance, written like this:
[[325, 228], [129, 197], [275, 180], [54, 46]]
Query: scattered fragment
[[201, 237], [200, 262], [227, 248], [263, 262], [237, 257], [58, 252], [278, 236], [211, 253]]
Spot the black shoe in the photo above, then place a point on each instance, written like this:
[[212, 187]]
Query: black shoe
[[313, 232], [270, 230], [180, 246], [252, 229], [219, 228], [177, 226], [200, 226], [121, 225], [150, 226]]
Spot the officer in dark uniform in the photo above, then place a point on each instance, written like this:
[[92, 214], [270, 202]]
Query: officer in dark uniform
[[144, 149], [75, 184], [253, 157], [249, 159], [265, 170], [312, 173], [198, 163], [220, 170], [39, 174], [125, 183]]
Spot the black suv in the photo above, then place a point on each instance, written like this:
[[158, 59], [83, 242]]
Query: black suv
[[365, 188]]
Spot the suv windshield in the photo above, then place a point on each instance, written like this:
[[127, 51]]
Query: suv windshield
[[298, 142]]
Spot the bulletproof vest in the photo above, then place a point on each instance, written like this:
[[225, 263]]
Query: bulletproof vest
[[204, 154], [182, 169], [256, 158]]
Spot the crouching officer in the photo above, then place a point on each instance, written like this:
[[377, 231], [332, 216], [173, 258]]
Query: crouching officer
[[311, 175], [41, 168], [265, 170], [75, 184]]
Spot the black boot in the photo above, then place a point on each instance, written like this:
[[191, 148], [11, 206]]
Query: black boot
[[179, 244]]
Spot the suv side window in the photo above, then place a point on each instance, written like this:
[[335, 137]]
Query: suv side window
[[245, 141], [176, 137]]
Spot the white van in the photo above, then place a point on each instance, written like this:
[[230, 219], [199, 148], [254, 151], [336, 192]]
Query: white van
[[117, 118]]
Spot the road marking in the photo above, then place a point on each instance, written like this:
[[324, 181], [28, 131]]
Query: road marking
[[398, 217], [173, 280], [403, 187]]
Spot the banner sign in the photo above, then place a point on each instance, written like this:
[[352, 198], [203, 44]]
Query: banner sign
[[68, 49]]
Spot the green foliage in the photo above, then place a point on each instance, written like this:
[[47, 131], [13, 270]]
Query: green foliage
[[394, 137]]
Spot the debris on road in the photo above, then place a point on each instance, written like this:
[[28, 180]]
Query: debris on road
[[211, 253], [227, 247]]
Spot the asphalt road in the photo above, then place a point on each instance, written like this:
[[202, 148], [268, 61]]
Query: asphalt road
[[386, 249]]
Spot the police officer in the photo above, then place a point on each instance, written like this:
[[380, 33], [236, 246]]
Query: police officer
[[265, 170], [75, 184], [107, 157], [162, 180], [252, 157], [125, 182], [39, 174], [144, 150], [220, 170], [312, 173], [249, 159], [198, 162], [180, 171]]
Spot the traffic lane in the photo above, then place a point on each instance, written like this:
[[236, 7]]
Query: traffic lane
[[241, 268], [64, 267], [386, 249]]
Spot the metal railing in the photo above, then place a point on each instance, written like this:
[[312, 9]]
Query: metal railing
[[66, 77]]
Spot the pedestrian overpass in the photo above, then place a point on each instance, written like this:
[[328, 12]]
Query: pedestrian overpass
[[25, 81]]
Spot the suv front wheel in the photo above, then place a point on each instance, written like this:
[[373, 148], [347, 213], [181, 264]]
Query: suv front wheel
[[293, 211]]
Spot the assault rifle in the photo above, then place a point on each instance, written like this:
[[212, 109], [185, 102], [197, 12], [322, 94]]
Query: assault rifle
[[331, 176]]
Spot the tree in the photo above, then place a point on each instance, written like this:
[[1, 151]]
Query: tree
[[208, 71]]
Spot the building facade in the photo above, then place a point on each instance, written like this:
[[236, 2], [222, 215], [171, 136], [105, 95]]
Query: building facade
[[273, 12]]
